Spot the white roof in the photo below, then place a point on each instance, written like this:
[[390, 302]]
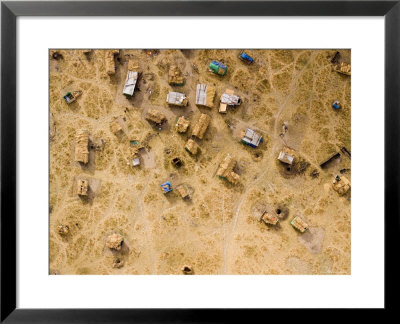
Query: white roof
[[175, 98], [252, 137], [230, 99], [130, 83], [286, 158], [201, 94], [136, 162]]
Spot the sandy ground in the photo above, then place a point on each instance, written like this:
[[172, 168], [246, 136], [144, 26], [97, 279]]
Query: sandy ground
[[217, 231]]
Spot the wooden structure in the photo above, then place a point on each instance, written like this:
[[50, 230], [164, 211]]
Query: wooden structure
[[82, 146], [201, 126]]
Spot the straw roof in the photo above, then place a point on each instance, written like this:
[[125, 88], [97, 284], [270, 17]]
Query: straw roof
[[299, 224], [82, 146], [82, 187], [175, 76], [110, 62], [201, 126], [115, 127], [225, 170], [133, 65], [182, 124], [191, 146], [341, 186], [155, 116], [183, 191]]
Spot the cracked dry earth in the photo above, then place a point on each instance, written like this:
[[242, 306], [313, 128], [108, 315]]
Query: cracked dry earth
[[216, 232]]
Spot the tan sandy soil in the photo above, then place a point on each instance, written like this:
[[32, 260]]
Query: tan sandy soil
[[218, 230]]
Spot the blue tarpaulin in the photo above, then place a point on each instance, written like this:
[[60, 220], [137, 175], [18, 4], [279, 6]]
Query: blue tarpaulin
[[246, 57], [166, 186]]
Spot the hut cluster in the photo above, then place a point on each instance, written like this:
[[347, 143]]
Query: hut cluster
[[205, 96]]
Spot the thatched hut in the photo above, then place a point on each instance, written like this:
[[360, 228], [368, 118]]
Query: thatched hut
[[182, 124], [110, 61], [114, 242], [225, 170], [299, 224], [175, 76], [156, 116], [201, 126], [192, 147], [82, 146], [82, 187], [341, 185]]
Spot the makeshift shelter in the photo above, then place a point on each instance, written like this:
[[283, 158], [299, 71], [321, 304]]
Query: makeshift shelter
[[63, 230], [341, 185], [70, 97], [115, 242], [201, 126], [343, 68], [130, 83], [299, 224], [175, 76], [166, 186], [82, 187], [218, 67], [182, 124], [246, 58], [82, 146], [192, 147], [182, 190], [225, 170], [155, 116], [177, 99], [251, 138], [268, 218], [228, 99], [110, 61], [285, 157], [136, 161], [187, 270], [205, 95]]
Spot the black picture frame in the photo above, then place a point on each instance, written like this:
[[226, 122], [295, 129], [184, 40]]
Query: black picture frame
[[9, 13]]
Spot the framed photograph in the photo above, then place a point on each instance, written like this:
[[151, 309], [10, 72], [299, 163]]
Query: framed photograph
[[180, 160]]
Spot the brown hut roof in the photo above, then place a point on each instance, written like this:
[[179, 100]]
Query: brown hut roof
[[175, 76], [82, 146], [225, 170], [82, 187], [201, 126], [155, 116], [109, 61], [182, 124], [191, 146]]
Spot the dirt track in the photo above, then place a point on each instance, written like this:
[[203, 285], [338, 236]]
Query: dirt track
[[216, 231]]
